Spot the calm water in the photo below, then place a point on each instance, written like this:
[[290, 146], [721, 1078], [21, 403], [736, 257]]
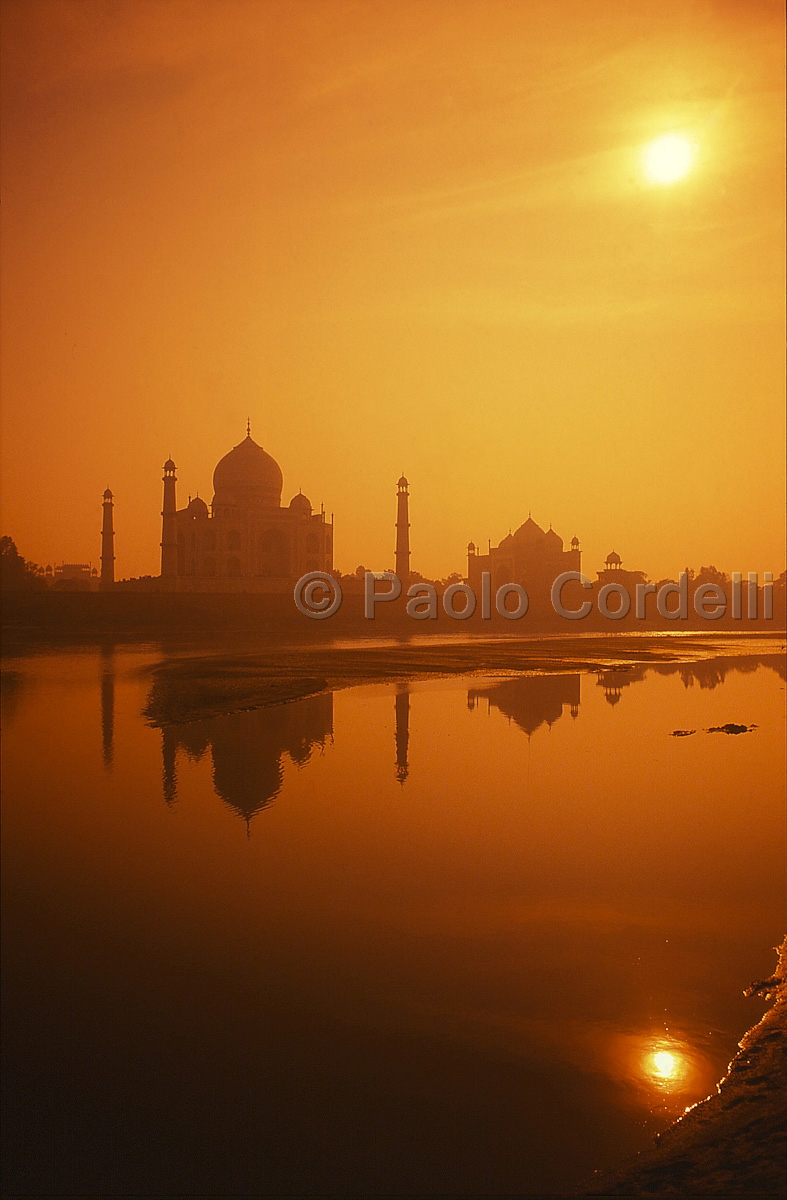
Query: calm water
[[475, 936]]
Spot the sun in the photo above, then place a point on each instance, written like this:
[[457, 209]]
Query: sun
[[669, 158]]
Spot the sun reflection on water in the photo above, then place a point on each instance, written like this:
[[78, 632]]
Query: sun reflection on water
[[667, 1065], [665, 1070], [664, 1063]]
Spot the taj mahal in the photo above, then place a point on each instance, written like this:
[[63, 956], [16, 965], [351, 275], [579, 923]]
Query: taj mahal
[[246, 541]]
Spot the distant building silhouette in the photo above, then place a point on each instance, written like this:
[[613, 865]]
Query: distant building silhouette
[[529, 556], [614, 573], [73, 577], [532, 701], [247, 750], [403, 533], [246, 541]]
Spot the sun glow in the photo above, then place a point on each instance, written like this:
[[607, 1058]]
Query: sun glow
[[664, 1064], [669, 158], [668, 1066]]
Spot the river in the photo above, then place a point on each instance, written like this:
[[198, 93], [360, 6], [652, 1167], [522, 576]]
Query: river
[[471, 936]]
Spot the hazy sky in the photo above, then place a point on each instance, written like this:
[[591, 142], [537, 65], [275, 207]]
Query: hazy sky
[[399, 235]]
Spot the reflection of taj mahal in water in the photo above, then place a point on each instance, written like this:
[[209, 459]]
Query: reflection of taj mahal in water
[[247, 749], [246, 541]]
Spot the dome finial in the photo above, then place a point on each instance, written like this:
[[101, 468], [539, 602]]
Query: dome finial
[[248, 427]]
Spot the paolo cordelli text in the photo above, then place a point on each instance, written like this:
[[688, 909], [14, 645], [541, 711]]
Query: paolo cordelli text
[[318, 595]]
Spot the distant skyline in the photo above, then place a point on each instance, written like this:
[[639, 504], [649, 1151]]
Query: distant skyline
[[405, 236]]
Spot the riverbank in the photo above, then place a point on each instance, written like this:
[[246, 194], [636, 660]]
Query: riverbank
[[152, 614], [735, 1142]]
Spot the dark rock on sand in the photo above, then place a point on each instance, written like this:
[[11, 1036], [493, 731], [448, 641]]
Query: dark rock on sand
[[730, 728]]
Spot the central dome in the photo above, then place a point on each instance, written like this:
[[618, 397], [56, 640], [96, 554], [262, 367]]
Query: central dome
[[247, 476], [529, 532]]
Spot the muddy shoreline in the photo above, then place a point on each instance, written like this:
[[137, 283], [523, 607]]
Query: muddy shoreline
[[197, 687], [734, 1143]]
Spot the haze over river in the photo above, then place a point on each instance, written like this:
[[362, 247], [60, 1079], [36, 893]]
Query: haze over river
[[471, 936]]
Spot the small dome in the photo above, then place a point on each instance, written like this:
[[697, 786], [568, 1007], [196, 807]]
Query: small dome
[[471, 547], [247, 476], [107, 494], [553, 539], [402, 482], [169, 465], [615, 558], [575, 543], [197, 507], [301, 504]]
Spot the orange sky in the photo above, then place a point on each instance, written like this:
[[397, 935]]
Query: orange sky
[[408, 234]]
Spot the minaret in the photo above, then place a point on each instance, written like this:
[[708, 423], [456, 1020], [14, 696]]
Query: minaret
[[169, 530], [403, 534], [107, 543]]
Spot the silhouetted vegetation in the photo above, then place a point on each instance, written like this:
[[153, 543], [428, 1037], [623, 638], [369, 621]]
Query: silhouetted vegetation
[[18, 575]]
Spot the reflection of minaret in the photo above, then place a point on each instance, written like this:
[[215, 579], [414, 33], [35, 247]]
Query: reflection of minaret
[[403, 534], [107, 543], [107, 708], [169, 752], [402, 706], [169, 530]]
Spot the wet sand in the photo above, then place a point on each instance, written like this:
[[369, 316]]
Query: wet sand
[[735, 1142], [196, 687]]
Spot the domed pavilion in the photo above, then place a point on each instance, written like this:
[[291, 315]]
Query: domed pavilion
[[531, 556]]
